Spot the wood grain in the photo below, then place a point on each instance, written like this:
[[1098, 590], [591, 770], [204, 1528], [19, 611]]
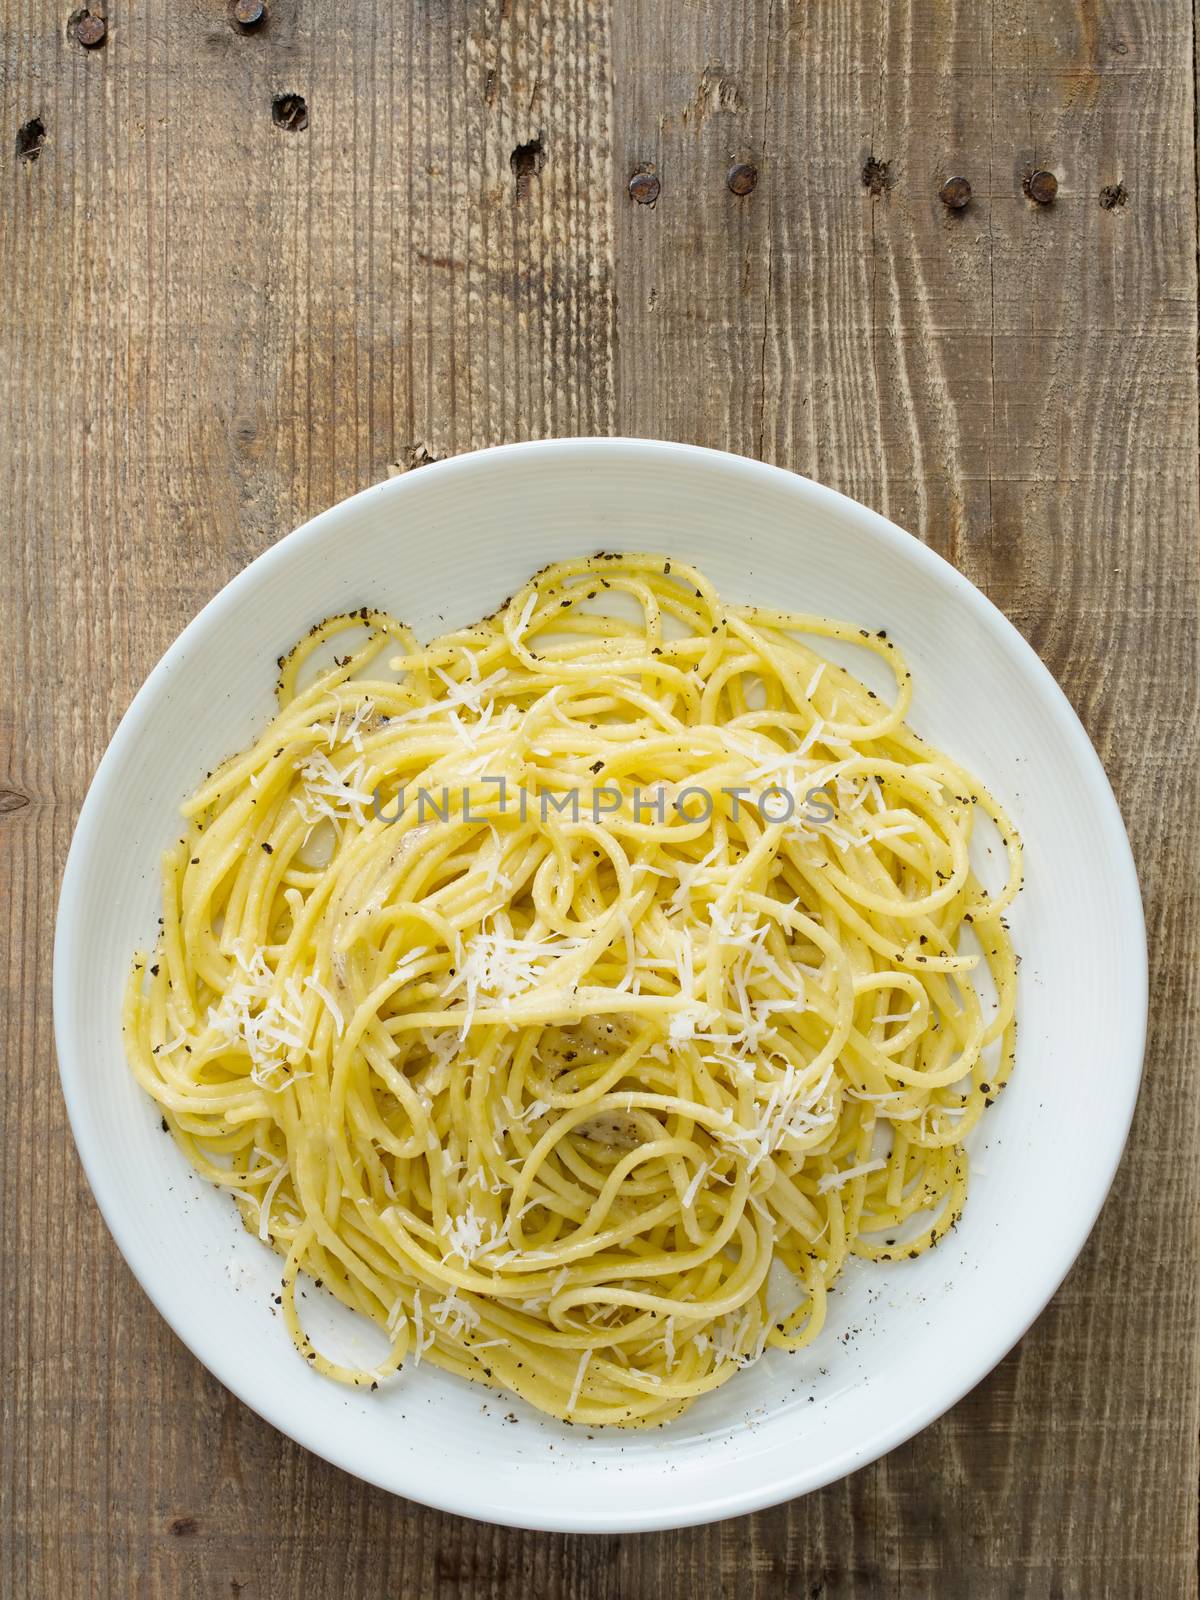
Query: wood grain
[[211, 326]]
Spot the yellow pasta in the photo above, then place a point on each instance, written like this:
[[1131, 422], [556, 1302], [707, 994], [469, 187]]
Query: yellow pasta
[[572, 996]]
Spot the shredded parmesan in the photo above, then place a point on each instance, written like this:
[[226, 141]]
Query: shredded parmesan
[[331, 1004], [578, 1384], [835, 1180], [689, 1194], [264, 1210]]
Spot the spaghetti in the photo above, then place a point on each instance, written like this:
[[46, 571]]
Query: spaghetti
[[539, 990]]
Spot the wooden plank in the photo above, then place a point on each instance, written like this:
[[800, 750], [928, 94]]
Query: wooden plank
[[1015, 383], [213, 327]]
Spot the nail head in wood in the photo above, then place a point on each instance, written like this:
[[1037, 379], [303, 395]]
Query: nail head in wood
[[248, 13], [955, 193], [1042, 187], [91, 30], [742, 178], [644, 187]]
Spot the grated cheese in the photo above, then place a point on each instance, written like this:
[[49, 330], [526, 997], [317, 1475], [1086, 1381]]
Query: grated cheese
[[330, 794], [836, 1180], [264, 1210], [251, 1013], [319, 989], [689, 1194], [454, 1314], [578, 1384], [464, 1235], [503, 967], [523, 620]]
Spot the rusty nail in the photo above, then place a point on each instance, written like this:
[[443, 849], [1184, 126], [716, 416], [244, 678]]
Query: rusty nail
[[1042, 186], [248, 13], [644, 187], [955, 193], [91, 30], [742, 178]]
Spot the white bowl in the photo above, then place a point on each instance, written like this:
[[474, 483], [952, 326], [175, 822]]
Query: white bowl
[[441, 547]]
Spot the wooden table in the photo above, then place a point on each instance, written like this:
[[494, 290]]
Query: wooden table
[[245, 272]]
